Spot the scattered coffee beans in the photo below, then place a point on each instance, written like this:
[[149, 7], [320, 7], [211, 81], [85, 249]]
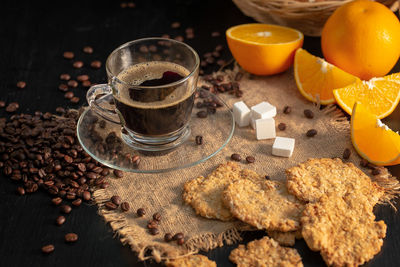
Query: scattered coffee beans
[[65, 77], [60, 220], [236, 157], [282, 126], [86, 195], [311, 133], [21, 84], [96, 64], [125, 206], [168, 237], [56, 201], [88, 49], [74, 100], [178, 236], [250, 159], [157, 216], [152, 224], [154, 231], [68, 55], [267, 177], [364, 163], [141, 212], [65, 209], [72, 83], [82, 78], [287, 109], [110, 206], [308, 113], [180, 241], [2, 104], [12, 107], [20, 191], [71, 237], [69, 95], [118, 173], [346, 153], [63, 87], [175, 25], [202, 114], [77, 64], [215, 34], [47, 249], [199, 140], [77, 202], [116, 200]]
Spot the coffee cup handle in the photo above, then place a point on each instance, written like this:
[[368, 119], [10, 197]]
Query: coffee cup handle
[[101, 100]]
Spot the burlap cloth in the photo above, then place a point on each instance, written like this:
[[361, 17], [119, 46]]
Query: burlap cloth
[[163, 192]]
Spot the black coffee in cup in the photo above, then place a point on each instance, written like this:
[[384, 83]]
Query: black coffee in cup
[[157, 110]]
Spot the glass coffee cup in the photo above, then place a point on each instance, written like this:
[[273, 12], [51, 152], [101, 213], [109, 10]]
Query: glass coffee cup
[[150, 92]]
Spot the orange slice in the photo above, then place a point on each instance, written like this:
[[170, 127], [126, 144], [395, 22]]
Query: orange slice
[[372, 139], [263, 49], [379, 95], [316, 78]]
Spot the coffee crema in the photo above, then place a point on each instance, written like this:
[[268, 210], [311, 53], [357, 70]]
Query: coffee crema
[[157, 110]]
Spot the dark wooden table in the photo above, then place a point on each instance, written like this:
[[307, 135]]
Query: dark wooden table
[[34, 36]]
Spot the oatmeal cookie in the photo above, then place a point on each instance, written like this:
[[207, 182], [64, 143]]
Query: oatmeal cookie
[[191, 261]]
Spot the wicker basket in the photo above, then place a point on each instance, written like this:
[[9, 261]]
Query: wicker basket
[[304, 15]]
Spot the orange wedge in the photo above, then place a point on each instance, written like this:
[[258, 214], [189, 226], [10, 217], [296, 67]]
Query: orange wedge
[[316, 78], [379, 95], [372, 139], [263, 49]]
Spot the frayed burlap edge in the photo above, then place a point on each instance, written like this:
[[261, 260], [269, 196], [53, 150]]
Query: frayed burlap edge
[[155, 251], [208, 241]]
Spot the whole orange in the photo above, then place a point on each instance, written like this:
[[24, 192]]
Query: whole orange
[[362, 38]]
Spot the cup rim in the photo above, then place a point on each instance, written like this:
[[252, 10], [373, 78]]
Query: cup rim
[[195, 69]]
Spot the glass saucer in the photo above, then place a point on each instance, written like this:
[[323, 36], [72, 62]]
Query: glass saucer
[[102, 140]]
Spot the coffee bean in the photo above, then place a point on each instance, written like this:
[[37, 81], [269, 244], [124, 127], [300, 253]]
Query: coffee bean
[[131, 5], [311, 133], [221, 62], [60, 220], [215, 34], [282, 126], [175, 25], [60, 110], [110, 206], [364, 163], [236, 157], [287, 109], [72, 83], [65, 77], [86, 195], [2, 104], [86, 83], [180, 241], [82, 78], [63, 87], [68, 159], [77, 202], [69, 95], [267, 177], [308, 113], [87, 49], [96, 64], [125, 206], [12, 107], [118, 173], [168, 237], [154, 231], [179, 38], [141, 212], [20, 191], [199, 140], [47, 249], [116, 200], [157, 216], [152, 224], [123, 5], [136, 160], [65, 209], [178, 236], [219, 48], [71, 195], [202, 114], [21, 84], [190, 35], [71, 237], [238, 76], [68, 55], [346, 153], [77, 64], [56, 201], [376, 171], [74, 100], [250, 159]]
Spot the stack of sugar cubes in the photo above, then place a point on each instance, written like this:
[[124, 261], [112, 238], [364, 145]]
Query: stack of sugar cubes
[[261, 119]]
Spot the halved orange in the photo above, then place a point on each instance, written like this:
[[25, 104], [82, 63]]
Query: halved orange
[[379, 95], [316, 78], [372, 139], [263, 49]]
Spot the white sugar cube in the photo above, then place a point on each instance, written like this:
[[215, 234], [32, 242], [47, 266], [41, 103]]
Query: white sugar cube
[[263, 110], [241, 113], [265, 128], [283, 147]]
